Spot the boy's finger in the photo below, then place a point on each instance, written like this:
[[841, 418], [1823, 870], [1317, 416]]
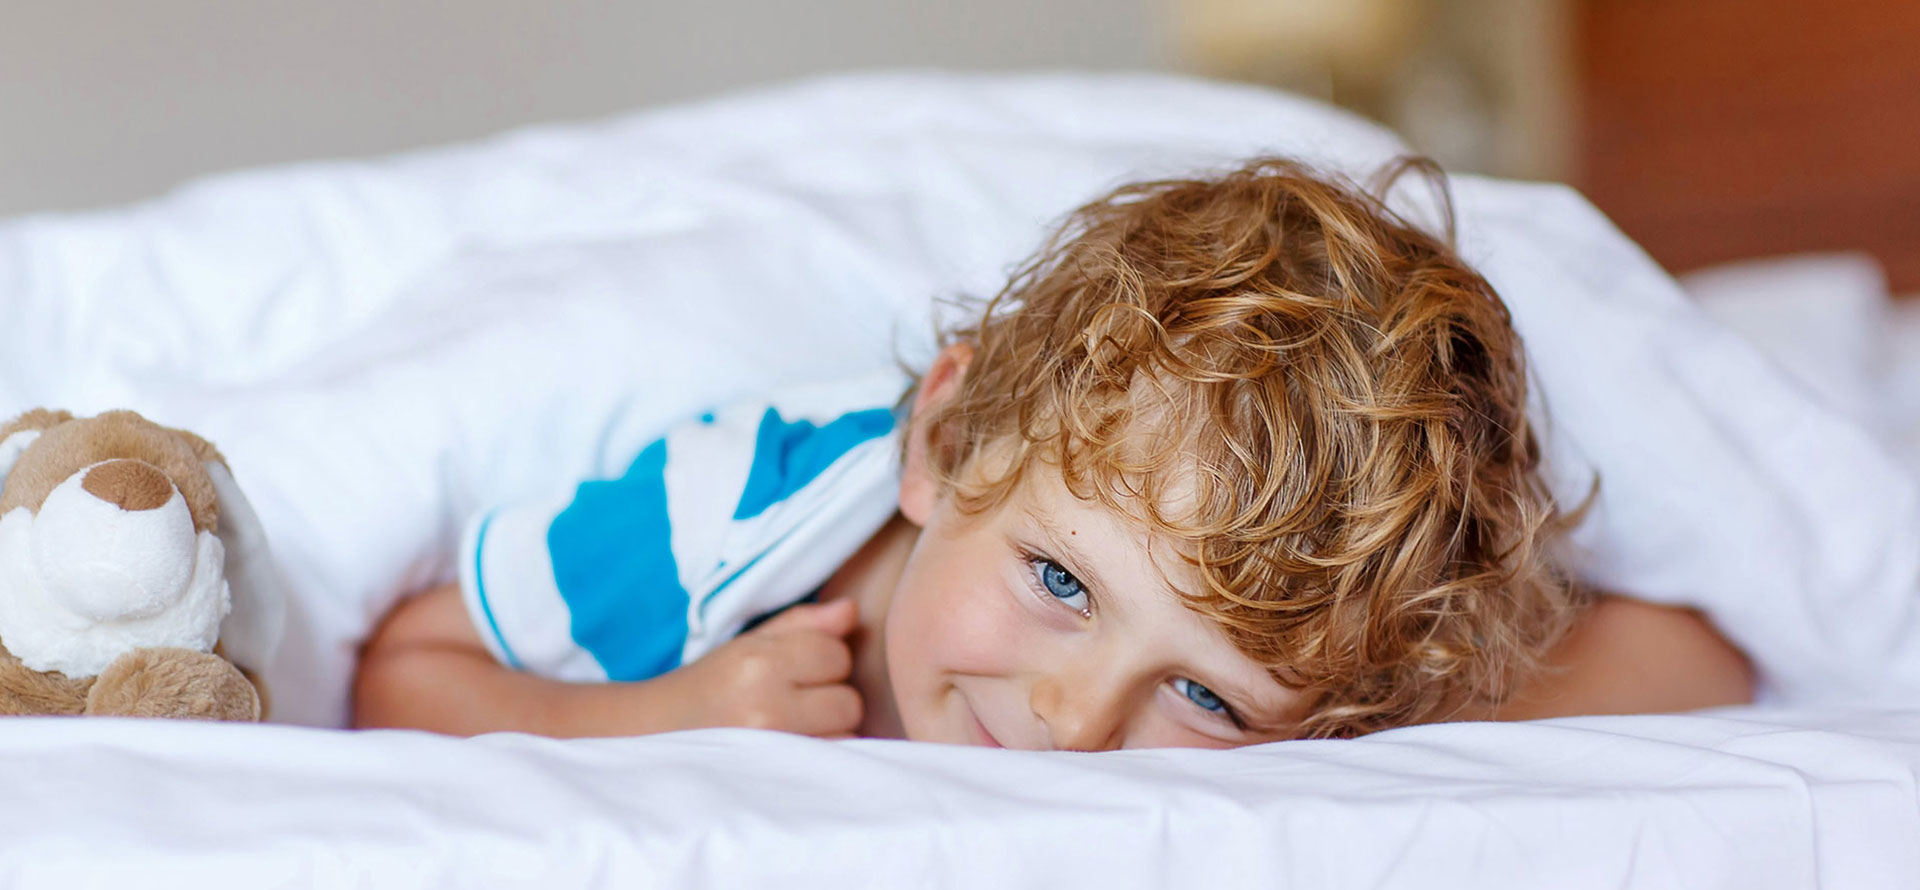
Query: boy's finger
[[836, 618], [816, 658], [829, 710]]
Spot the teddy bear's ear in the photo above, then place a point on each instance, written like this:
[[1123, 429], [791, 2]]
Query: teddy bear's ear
[[251, 631], [11, 448]]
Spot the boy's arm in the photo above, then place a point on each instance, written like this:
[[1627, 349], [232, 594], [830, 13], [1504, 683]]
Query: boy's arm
[[1625, 656], [426, 668]]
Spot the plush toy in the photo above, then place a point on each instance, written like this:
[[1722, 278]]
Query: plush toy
[[118, 539]]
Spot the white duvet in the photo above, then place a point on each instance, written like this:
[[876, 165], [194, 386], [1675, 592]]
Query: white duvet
[[379, 347]]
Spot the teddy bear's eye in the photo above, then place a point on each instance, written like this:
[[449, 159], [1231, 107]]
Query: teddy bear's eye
[[12, 447]]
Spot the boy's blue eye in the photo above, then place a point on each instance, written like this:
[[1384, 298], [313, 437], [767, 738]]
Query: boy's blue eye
[[1200, 695], [1062, 584]]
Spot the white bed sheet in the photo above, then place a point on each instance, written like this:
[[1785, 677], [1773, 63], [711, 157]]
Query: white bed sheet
[[1749, 800], [379, 347]]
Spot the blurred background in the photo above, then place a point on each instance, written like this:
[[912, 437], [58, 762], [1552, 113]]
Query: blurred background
[[1709, 129]]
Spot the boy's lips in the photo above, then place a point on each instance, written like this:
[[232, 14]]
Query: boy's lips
[[982, 737]]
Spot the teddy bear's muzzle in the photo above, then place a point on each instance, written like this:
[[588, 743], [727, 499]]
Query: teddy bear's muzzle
[[115, 541]]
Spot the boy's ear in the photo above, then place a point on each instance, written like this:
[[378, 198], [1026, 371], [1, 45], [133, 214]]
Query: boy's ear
[[919, 489]]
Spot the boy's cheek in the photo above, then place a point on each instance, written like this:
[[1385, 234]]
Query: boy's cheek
[[982, 632], [965, 641], [954, 625]]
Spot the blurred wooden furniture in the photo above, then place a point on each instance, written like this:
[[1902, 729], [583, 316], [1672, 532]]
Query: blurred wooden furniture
[[1722, 129]]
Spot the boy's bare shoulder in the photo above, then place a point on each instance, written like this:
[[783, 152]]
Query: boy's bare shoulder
[[1625, 656]]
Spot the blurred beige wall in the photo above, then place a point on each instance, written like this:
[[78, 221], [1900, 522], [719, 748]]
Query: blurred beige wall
[[1481, 85], [104, 101]]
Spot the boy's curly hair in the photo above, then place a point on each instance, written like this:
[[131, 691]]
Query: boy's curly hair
[[1319, 402]]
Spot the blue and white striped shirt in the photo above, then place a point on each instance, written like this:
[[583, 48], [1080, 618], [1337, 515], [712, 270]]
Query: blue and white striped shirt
[[730, 516]]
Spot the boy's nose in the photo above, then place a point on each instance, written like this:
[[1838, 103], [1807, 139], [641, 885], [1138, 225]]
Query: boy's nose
[[1081, 712]]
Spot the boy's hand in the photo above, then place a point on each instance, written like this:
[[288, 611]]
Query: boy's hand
[[788, 674], [427, 668]]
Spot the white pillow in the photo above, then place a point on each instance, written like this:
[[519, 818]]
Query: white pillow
[[1823, 317]]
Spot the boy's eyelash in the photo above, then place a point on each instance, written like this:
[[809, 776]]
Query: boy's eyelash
[[1233, 713], [1034, 559]]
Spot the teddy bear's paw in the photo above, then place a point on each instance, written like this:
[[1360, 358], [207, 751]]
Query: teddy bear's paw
[[25, 691], [168, 682]]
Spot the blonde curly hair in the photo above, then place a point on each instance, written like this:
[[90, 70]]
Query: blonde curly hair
[[1317, 401]]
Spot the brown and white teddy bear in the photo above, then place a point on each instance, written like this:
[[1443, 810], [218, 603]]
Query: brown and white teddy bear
[[118, 540]]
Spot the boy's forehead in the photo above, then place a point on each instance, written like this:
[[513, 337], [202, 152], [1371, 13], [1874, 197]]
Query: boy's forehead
[[1144, 486], [1114, 522]]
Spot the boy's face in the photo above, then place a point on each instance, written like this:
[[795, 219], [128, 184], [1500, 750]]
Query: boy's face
[[1050, 623]]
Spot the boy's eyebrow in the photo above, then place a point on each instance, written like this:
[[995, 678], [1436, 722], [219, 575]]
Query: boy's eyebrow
[[1087, 570], [1078, 563], [1082, 567]]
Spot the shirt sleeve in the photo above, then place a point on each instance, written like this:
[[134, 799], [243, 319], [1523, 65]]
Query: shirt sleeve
[[607, 579], [587, 585]]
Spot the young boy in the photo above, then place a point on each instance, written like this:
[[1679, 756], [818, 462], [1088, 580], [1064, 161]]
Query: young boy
[[1230, 460]]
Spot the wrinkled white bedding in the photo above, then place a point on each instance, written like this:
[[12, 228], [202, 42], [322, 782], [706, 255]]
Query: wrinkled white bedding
[[379, 347], [1751, 800]]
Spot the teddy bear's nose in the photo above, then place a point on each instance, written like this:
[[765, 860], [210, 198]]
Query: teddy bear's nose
[[129, 484], [107, 547]]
